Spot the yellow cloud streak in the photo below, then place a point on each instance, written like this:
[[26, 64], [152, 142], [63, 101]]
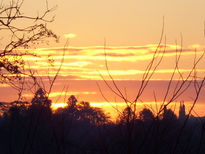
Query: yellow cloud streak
[[87, 60], [64, 93]]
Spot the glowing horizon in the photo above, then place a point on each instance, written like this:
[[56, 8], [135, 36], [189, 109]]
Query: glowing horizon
[[84, 67], [114, 109]]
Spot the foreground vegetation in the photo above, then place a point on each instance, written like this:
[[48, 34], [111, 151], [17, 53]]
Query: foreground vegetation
[[31, 127]]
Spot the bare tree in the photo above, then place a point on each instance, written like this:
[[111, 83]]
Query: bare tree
[[18, 38], [177, 85]]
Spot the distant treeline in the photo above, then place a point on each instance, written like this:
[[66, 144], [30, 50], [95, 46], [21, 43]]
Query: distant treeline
[[32, 128]]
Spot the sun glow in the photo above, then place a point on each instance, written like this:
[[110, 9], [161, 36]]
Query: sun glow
[[56, 106], [84, 66], [113, 109]]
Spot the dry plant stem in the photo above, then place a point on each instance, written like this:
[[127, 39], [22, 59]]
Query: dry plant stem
[[171, 79], [65, 93], [107, 99], [118, 91], [150, 70], [178, 91], [111, 89], [181, 87], [59, 69], [20, 91], [145, 80], [65, 88], [204, 28], [179, 57], [51, 85], [167, 91], [147, 76], [20, 37], [38, 117]]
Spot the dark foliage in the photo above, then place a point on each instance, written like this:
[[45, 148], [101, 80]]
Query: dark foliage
[[80, 128]]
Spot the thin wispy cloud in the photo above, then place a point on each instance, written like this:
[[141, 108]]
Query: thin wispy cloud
[[124, 62]]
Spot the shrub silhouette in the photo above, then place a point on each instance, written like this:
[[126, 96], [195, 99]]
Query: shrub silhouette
[[83, 111], [80, 128], [127, 116], [41, 99], [146, 115]]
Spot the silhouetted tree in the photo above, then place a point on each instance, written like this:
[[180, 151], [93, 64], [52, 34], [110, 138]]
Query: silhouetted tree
[[17, 109], [84, 112], [94, 115], [39, 111], [168, 115], [127, 116], [16, 40], [146, 115], [19, 36], [41, 99], [72, 101]]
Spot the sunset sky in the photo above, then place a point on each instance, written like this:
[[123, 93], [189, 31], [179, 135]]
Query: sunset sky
[[132, 31], [131, 22]]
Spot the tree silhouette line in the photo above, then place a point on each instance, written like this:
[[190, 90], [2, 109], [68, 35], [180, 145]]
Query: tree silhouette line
[[32, 127]]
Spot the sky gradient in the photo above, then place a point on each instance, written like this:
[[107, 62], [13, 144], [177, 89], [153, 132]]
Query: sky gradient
[[128, 23], [132, 31]]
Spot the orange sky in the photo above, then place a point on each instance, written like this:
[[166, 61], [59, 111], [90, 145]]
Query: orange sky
[[83, 66], [125, 23], [132, 30]]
